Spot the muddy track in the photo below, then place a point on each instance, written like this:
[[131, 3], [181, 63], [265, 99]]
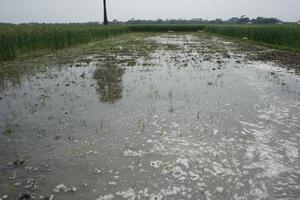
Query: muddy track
[[189, 116]]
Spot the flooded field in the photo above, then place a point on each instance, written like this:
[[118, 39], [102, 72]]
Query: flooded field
[[195, 117]]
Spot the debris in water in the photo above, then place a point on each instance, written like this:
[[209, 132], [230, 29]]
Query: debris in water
[[194, 176], [51, 197], [210, 83], [130, 153], [156, 164], [273, 73], [82, 75], [129, 194], [17, 184], [25, 196], [112, 183], [177, 172], [73, 189], [60, 187], [13, 176], [47, 198], [219, 189], [57, 137], [19, 162], [106, 197], [97, 171]]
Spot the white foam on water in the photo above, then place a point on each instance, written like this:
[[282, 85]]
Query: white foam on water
[[106, 197]]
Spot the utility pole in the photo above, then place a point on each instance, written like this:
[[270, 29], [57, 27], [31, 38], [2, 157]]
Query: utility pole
[[105, 21]]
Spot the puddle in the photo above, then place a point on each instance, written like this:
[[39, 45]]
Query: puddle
[[195, 122]]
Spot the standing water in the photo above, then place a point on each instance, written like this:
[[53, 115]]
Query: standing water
[[185, 122]]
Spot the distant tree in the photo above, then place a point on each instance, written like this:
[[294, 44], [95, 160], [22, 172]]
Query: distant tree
[[233, 20], [244, 20], [263, 20], [105, 21], [196, 20], [217, 21], [115, 21]]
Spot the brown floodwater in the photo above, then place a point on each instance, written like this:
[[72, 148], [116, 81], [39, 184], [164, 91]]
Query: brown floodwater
[[184, 123]]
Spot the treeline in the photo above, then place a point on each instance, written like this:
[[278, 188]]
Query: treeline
[[234, 20]]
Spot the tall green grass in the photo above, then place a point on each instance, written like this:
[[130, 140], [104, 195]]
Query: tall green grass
[[16, 40], [287, 36]]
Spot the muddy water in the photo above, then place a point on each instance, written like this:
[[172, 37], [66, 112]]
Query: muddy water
[[187, 123]]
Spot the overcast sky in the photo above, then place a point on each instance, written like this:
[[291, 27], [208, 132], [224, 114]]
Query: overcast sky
[[19, 11]]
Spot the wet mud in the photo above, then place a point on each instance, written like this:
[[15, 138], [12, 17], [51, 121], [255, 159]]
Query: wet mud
[[196, 118]]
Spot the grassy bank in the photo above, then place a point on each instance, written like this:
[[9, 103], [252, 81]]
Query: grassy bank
[[284, 36], [17, 40]]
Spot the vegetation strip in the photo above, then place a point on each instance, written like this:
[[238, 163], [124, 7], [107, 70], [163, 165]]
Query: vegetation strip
[[16, 40]]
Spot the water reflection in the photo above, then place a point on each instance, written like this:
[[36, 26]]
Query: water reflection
[[108, 76]]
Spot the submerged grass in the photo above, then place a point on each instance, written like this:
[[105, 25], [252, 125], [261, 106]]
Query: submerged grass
[[132, 45]]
